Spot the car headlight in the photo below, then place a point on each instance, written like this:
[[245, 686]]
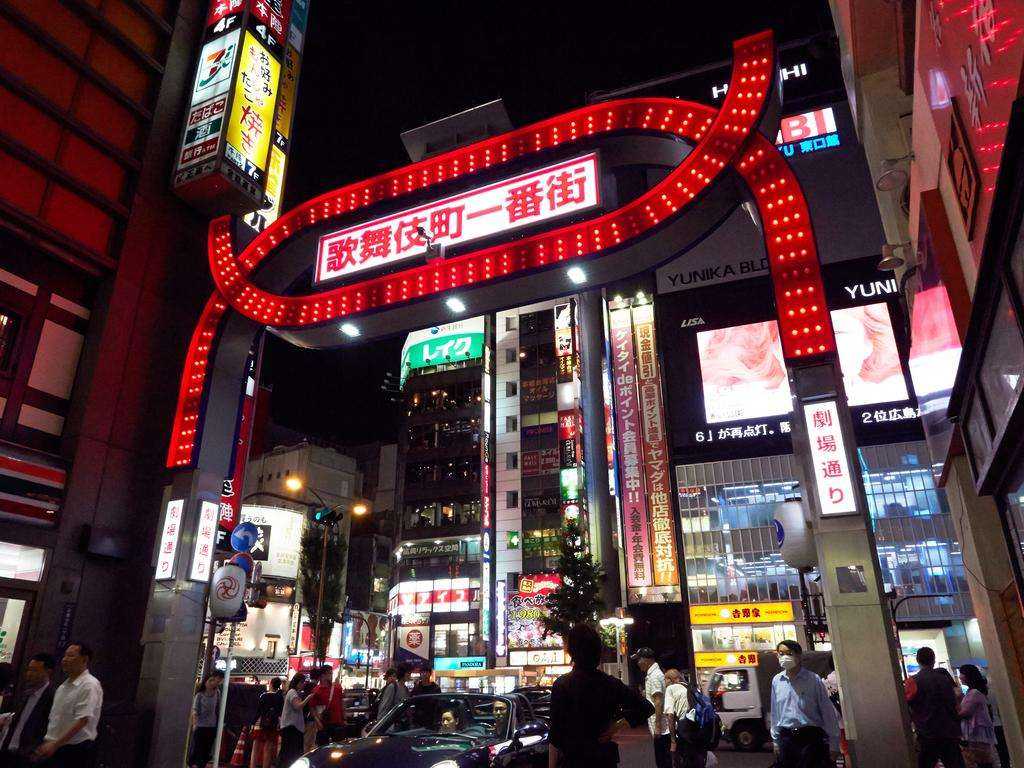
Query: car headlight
[[302, 762], [445, 764]]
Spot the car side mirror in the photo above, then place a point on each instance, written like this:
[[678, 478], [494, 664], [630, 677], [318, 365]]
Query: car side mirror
[[529, 733]]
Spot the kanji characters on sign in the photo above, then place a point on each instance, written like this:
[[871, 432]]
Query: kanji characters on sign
[[832, 475]]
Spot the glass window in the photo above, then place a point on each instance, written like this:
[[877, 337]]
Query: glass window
[[453, 639], [511, 423], [511, 460], [21, 562], [733, 680], [10, 324], [510, 389], [1002, 367], [511, 499], [511, 355]]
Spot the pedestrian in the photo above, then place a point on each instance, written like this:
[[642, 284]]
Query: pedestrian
[[205, 709], [329, 700], [395, 691], [832, 685], [425, 685], [588, 707], [804, 724], [27, 724], [70, 740], [293, 722], [677, 704], [932, 699], [267, 731], [977, 731], [654, 690]]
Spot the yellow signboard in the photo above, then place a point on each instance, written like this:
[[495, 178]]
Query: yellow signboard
[[252, 109], [725, 659], [741, 613]]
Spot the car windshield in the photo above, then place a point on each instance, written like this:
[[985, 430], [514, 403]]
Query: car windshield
[[473, 717]]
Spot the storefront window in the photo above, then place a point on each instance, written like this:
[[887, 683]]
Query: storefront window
[[729, 544], [747, 637], [20, 562], [1014, 514], [917, 544], [1002, 367], [453, 639]]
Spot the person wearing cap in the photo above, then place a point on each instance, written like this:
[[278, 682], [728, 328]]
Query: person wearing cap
[[804, 723], [654, 690]]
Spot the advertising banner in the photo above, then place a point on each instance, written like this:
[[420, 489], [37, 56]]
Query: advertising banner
[[252, 110], [530, 198], [656, 454], [205, 541], [460, 341], [832, 476], [742, 613], [169, 535], [631, 463], [280, 539], [526, 607], [414, 644]]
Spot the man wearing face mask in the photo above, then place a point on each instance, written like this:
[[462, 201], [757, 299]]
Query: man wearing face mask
[[804, 724]]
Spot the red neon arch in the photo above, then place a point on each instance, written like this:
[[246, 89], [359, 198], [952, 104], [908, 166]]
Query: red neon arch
[[723, 137]]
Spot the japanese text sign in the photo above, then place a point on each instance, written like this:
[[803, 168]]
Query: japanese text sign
[[206, 537], [631, 462], [169, 540], [741, 613], [828, 457], [252, 110], [530, 198], [652, 421]]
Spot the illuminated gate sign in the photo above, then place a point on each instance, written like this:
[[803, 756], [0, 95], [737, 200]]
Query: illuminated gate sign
[[529, 198]]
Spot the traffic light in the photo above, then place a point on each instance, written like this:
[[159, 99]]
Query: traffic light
[[324, 516]]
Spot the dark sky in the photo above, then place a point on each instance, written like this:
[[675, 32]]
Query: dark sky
[[373, 70]]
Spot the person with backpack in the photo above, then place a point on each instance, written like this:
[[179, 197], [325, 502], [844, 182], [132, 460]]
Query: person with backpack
[[329, 703], [804, 723], [394, 691], [694, 726], [267, 724]]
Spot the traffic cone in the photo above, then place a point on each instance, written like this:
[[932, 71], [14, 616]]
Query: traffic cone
[[238, 758]]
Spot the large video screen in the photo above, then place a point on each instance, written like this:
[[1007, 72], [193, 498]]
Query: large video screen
[[868, 355], [743, 374]]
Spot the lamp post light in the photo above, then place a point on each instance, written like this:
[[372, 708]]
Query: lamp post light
[[618, 622]]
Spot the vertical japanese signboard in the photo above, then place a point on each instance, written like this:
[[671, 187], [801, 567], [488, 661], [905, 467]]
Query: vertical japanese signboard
[[627, 426], [652, 419], [231, 491], [169, 540], [224, 158], [829, 460], [283, 119], [206, 537]]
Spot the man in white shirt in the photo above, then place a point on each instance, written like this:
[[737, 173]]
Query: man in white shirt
[[71, 735], [26, 725], [654, 690]]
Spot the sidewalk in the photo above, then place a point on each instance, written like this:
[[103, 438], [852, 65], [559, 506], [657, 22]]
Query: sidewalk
[[637, 751]]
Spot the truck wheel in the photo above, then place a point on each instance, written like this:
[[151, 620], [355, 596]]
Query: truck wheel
[[746, 737]]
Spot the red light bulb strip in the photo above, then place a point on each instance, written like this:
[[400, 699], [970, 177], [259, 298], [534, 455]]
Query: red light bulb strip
[[724, 137]]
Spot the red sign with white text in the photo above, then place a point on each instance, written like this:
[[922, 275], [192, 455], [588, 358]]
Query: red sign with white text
[[530, 198], [806, 125]]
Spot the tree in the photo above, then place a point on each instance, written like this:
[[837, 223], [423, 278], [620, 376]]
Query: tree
[[309, 580], [578, 599]]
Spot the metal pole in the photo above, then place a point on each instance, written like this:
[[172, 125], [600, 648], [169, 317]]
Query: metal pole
[[319, 600], [224, 698]]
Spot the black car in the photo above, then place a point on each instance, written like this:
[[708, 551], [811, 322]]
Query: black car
[[457, 730], [359, 707], [539, 697]]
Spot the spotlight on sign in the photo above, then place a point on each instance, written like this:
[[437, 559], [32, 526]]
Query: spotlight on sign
[[455, 304], [577, 275], [350, 330]]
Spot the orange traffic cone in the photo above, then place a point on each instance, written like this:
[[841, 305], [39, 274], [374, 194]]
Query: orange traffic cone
[[238, 758]]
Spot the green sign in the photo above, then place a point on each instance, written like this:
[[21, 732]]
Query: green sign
[[442, 345]]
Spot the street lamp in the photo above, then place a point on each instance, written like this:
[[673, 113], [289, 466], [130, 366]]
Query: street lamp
[[618, 622], [293, 483]]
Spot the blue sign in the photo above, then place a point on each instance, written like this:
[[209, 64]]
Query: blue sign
[[453, 663], [807, 146], [780, 532]]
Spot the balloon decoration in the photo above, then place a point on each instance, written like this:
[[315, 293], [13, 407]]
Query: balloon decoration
[[244, 536], [227, 592]]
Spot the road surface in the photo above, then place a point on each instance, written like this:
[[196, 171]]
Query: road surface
[[636, 751]]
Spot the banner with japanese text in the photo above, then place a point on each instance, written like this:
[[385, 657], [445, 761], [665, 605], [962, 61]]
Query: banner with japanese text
[[631, 463], [656, 455]]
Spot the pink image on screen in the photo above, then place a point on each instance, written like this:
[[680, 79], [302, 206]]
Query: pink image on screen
[[868, 356], [743, 373]]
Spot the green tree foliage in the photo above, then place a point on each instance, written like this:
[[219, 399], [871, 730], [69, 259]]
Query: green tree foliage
[[578, 599], [309, 579]]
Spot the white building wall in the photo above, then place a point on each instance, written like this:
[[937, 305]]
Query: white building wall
[[506, 442]]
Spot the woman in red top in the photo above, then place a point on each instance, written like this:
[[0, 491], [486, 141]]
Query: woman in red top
[[329, 703]]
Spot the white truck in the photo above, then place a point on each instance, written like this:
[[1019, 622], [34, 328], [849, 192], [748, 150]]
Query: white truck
[[741, 696]]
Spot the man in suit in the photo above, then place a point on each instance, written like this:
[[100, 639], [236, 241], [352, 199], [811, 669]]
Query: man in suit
[[26, 725]]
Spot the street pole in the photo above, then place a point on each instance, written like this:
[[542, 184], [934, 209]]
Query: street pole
[[224, 698], [319, 599]]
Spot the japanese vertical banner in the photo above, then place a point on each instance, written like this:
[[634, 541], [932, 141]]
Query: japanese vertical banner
[[652, 420], [631, 461]]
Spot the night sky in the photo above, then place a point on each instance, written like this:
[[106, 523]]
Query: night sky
[[373, 70]]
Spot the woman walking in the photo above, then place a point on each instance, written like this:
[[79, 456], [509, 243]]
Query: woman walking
[[293, 722], [205, 707], [979, 737], [268, 726]]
